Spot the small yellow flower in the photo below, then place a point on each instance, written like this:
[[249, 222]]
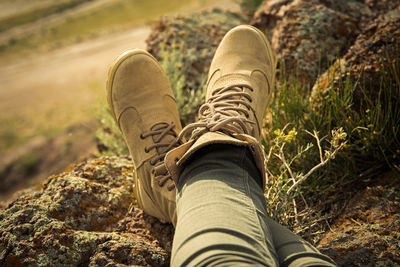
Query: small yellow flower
[[365, 138], [367, 111], [305, 117], [282, 104], [398, 151], [293, 132], [374, 132], [348, 73], [289, 138], [345, 145]]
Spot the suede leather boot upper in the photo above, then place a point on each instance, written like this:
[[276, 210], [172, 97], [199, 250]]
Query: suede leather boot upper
[[143, 105], [239, 87]]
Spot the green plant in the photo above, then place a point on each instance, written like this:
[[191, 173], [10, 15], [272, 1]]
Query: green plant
[[174, 65], [249, 6], [318, 142], [109, 137], [284, 181], [370, 114]]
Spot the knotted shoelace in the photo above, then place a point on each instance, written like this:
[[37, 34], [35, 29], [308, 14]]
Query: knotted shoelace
[[222, 112], [227, 111], [158, 131]]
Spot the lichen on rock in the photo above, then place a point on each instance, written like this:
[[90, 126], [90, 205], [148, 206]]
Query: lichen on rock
[[375, 51], [309, 34], [367, 232], [82, 217]]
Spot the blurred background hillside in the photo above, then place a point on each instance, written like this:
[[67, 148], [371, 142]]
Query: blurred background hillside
[[54, 58]]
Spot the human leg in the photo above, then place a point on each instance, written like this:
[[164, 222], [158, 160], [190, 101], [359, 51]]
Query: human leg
[[221, 211], [292, 250], [222, 216]]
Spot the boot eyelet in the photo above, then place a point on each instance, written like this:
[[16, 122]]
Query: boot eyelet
[[146, 150], [247, 116], [141, 136]]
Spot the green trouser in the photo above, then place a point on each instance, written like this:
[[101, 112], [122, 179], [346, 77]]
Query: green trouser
[[222, 217]]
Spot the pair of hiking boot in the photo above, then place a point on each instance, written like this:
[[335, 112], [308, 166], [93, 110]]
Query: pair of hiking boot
[[239, 87]]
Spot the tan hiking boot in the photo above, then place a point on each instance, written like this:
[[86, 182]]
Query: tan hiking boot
[[144, 108], [239, 87]]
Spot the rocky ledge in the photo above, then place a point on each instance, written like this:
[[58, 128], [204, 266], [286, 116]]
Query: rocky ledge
[[87, 216], [84, 216]]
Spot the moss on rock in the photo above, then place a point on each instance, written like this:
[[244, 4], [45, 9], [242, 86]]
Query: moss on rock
[[80, 217]]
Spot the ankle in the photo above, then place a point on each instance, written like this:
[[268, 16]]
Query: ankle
[[220, 158]]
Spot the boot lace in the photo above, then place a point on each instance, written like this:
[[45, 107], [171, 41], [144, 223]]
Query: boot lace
[[227, 110], [158, 131]]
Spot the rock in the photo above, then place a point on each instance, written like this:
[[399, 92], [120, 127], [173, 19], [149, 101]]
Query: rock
[[308, 34], [381, 6], [375, 54], [367, 231], [88, 216], [84, 216]]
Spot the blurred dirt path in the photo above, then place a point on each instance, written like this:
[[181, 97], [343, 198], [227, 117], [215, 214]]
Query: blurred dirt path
[[58, 89], [61, 77], [71, 78]]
